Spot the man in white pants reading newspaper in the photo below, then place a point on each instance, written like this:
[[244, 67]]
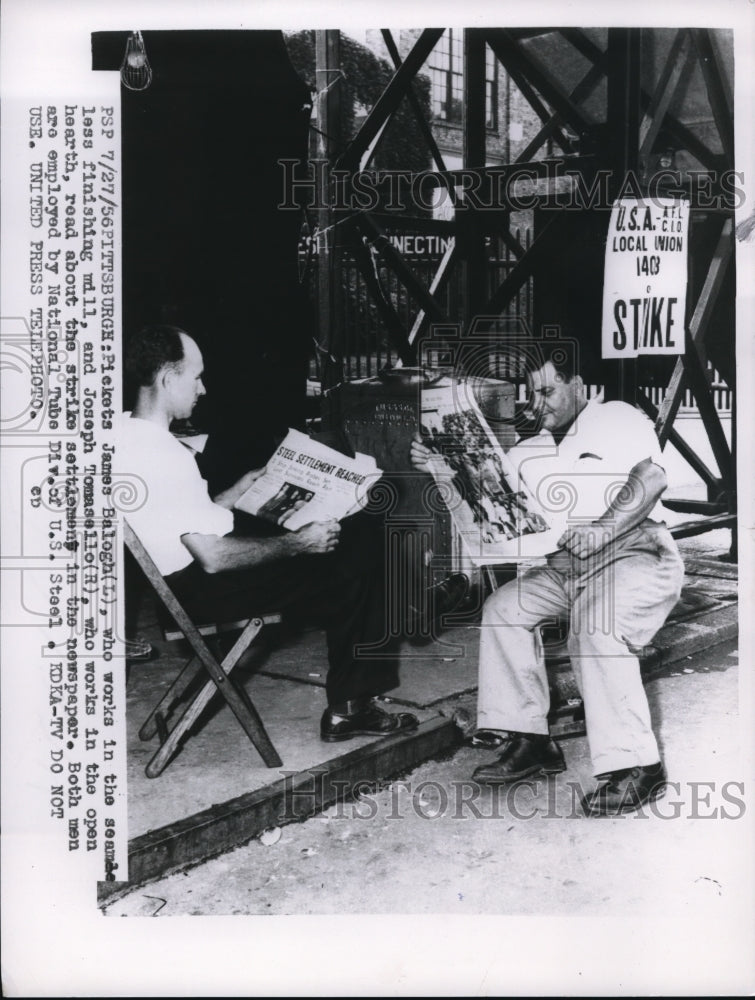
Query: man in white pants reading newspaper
[[329, 572], [616, 574]]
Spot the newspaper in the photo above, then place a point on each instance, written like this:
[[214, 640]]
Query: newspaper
[[306, 481], [494, 512]]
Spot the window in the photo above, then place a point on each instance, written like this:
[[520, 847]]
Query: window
[[491, 89], [446, 65], [446, 69]]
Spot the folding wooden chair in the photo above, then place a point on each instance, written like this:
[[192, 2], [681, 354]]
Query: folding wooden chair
[[203, 659]]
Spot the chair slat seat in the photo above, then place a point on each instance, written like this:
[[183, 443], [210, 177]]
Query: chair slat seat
[[217, 628]]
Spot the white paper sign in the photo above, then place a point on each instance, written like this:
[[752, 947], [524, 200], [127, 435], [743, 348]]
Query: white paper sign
[[645, 283]]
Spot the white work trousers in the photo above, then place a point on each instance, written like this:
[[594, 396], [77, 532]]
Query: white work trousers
[[617, 599]]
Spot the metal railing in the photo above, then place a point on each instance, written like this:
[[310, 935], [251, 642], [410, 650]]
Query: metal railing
[[722, 394], [366, 347]]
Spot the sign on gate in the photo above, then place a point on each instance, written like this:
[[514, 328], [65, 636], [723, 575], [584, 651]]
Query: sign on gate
[[645, 282]]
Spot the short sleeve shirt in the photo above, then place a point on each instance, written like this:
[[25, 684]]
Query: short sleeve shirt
[[170, 497], [577, 480]]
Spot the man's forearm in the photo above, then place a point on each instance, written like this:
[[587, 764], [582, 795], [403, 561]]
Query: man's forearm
[[632, 504], [636, 499], [216, 555]]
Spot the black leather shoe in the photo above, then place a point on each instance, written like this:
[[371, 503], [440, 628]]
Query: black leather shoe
[[524, 754], [626, 790], [440, 600], [369, 720]]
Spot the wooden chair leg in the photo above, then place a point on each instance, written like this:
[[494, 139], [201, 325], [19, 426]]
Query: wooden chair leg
[[219, 679], [250, 720], [174, 693]]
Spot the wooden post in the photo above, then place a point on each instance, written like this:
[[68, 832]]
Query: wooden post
[[473, 240], [623, 116], [733, 549], [329, 320]]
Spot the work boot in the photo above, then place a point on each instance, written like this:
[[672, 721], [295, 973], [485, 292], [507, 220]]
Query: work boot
[[626, 790], [524, 755]]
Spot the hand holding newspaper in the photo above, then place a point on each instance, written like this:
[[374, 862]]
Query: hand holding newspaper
[[306, 482]]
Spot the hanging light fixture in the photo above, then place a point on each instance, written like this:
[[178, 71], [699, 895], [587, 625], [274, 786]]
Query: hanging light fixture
[[136, 72]]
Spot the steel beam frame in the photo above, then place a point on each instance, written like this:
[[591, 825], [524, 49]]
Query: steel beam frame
[[635, 117]]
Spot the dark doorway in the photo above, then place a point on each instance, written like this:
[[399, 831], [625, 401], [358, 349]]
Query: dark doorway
[[205, 246]]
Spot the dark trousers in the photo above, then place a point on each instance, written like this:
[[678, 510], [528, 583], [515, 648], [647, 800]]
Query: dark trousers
[[343, 590]]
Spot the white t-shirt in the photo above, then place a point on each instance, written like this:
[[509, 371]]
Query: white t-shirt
[[171, 498], [576, 480]]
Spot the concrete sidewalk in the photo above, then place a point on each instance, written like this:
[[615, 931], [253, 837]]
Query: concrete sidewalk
[[217, 794], [434, 842]]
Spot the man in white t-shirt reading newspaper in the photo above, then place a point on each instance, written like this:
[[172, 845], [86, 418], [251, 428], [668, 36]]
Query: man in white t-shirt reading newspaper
[[332, 573], [616, 574]]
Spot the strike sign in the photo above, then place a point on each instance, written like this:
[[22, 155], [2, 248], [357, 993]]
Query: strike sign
[[645, 283]]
